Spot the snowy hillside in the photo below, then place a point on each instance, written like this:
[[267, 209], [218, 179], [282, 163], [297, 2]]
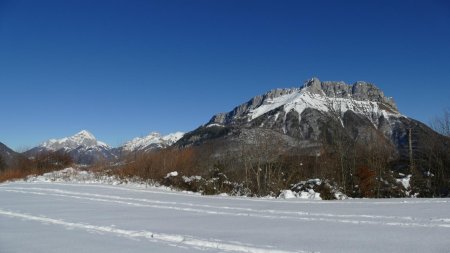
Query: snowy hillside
[[65, 216], [151, 141]]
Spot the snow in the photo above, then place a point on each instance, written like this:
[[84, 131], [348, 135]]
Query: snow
[[301, 99], [171, 174], [405, 181], [84, 177], [153, 138], [311, 194], [287, 194], [214, 125], [83, 138], [86, 140], [173, 137], [69, 211], [191, 179]]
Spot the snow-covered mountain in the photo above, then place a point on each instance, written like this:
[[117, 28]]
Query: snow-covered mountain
[[362, 98], [82, 139], [301, 117], [83, 147], [152, 141], [86, 149]]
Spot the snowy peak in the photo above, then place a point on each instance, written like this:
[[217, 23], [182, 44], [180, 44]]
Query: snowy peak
[[82, 139], [152, 141], [333, 97], [83, 134], [83, 147], [173, 137]]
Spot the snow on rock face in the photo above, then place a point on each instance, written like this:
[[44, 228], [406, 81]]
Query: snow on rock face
[[339, 101], [173, 137], [82, 139], [335, 97], [154, 139]]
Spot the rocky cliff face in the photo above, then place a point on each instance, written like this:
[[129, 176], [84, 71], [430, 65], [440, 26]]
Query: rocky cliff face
[[302, 116], [332, 97]]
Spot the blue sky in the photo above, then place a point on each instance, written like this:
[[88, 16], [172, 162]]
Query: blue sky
[[122, 69]]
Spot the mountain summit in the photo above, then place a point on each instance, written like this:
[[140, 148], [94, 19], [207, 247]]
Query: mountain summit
[[83, 147], [332, 97], [152, 141], [305, 116], [82, 139]]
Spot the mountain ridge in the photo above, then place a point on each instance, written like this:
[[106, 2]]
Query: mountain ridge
[[82, 138], [302, 117], [84, 148], [151, 141], [361, 95]]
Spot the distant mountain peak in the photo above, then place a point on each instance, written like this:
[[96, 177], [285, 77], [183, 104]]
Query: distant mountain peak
[[86, 149], [83, 147], [84, 134], [154, 134], [152, 141], [83, 139]]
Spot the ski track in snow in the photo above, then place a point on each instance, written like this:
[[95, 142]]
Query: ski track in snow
[[245, 199], [246, 212], [64, 193], [171, 221], [169, 239]]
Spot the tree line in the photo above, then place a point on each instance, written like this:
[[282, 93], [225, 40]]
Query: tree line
[[43, 162], [368, 166]]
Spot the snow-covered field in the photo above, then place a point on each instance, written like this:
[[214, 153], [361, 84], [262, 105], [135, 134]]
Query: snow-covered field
[[42, 216]]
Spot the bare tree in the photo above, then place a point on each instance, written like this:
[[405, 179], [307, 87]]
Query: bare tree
[[379, 154], [441, 124], [340, 142]]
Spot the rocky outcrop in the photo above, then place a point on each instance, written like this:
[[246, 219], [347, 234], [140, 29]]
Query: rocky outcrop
[[360, 91], [361, 97], [305, 114]]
